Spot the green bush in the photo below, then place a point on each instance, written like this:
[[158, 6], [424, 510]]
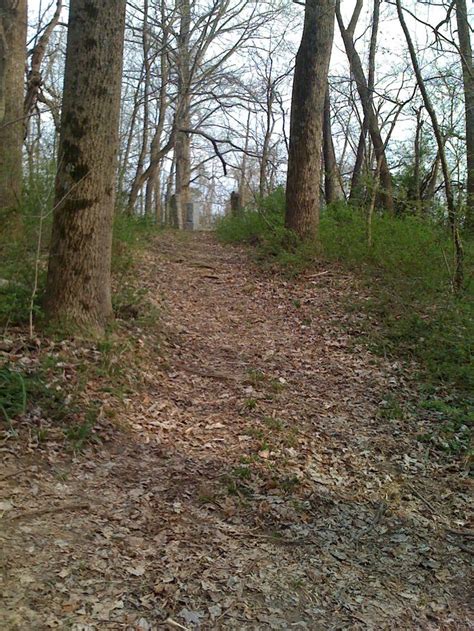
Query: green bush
[[13, 395]]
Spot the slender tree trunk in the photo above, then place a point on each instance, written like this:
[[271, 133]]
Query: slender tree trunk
[[170, 203], [355, 193], [332, 187], [35, 78], [123, 166], [416, 169], [13, 23], [243, 184], [152, 173], [136, 187], [459, 269], [386, 196], [158, 206], [429, 184], [306, 125], [360, 155], [269, 126], [78, 292], [468, 78], [183, 117]]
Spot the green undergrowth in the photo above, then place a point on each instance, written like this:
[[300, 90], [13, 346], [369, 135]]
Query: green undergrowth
[[407, 273], [49, 389], [24, 248]]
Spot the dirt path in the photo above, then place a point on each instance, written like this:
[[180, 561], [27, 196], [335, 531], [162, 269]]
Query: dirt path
[[266, 480]]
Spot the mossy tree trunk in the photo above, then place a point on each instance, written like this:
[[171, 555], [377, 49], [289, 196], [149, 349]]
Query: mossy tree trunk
[[306, 124], [78, 292], [13, 23]]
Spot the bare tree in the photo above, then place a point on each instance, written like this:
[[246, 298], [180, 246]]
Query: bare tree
[[366, 98], [459, 271]]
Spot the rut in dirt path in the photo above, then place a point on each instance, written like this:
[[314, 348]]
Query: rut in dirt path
[[258, 485]]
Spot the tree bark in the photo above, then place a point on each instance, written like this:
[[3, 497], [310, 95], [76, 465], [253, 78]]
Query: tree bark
[[417, 163], [386, 195], [306, 123], [183, 114], [78, 291], [13, 24], [146, 112], [332, 186], [468, 79]]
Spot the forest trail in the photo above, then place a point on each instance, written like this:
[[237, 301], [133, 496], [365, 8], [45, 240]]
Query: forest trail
[[265, 480]]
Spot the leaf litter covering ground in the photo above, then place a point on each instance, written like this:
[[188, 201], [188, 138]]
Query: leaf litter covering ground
[[253, 483]]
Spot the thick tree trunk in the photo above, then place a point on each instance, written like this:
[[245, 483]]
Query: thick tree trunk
[[468, 78], [332, 186], [13, 23], [306, 125], [78, 292], [386, 196]]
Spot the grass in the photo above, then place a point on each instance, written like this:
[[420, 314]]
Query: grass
[[408, 273], [19, 251], [62, 401]]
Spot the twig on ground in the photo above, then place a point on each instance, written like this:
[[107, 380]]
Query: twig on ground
[[12, 474], [54, 509], [175, 625]]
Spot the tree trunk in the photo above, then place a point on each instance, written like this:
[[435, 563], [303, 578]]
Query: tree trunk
[[13, 23], [332, 187], [416, 168], [151, 175], [78, 292], [468, 78], [306, 123], [125, 157], [243, 184], [183, 118], [355, 193], [136, 186], [365, 94], [459, 254], [35, 78]]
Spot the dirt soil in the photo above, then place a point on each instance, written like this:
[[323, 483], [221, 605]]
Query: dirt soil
[[263, 479]]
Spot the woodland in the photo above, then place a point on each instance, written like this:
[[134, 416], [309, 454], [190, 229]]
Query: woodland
[[236, 311]]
